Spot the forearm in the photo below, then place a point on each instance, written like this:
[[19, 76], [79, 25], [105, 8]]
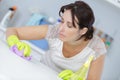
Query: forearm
[[28, 33], [11, 31]]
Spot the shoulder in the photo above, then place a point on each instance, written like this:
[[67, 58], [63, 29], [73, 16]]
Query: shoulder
[[98, 46], [96, 41], [52, 31], [55, 43]]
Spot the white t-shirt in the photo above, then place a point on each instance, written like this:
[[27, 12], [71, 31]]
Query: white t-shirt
[[55, 59]]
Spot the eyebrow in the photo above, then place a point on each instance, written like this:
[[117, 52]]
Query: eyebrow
[[67, 21]]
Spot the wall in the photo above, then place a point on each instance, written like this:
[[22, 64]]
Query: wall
[[107, 19], [25, 7]]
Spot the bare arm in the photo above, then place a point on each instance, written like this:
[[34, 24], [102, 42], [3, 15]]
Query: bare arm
[[28, 33], [96, 69]]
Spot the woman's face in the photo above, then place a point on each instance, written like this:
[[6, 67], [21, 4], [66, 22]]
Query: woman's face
[[67, 31]]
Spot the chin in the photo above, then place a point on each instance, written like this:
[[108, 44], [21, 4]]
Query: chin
[[62, 39]]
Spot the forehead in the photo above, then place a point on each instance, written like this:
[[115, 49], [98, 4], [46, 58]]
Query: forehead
[[67, 15]]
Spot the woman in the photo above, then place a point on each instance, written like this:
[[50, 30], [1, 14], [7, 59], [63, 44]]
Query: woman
[[71, 42]]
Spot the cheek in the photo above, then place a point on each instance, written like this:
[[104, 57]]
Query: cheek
[[72, 33]]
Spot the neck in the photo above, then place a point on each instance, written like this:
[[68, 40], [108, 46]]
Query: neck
[[74, 47], [76, 43]]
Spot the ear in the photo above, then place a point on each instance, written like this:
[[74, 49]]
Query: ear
[[83, 31]]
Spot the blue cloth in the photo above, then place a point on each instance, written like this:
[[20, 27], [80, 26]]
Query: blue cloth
[[38, 19], [35, 19]]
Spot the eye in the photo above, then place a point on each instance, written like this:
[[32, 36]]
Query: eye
[[70, 25]]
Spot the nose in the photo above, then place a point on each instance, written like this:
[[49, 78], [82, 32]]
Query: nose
[[62, 27]]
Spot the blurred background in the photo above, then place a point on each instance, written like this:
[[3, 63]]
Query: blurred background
[[107, 24]]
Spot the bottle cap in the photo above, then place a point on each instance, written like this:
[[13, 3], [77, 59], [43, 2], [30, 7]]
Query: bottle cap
[[13, 8]]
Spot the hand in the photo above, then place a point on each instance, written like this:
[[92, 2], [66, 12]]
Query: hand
[[65, 74], [13, 40], [69, 75]]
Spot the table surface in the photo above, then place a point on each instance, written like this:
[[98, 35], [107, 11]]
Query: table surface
[[13, 67]]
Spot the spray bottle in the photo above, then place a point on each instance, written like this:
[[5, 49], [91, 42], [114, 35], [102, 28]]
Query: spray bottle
[[80, 74], [6, 19]]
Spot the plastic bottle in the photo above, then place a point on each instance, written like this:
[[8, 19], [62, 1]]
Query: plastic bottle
[[81, 74], [7, 17]]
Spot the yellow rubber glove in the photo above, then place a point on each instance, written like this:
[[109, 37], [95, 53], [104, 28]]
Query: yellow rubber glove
[[13, 40], [65, 74]]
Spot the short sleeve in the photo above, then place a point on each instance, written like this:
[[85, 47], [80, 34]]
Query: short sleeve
[[52, 31], [98, 46]]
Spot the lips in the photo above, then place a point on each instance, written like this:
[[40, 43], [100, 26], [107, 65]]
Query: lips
[[61, 35]]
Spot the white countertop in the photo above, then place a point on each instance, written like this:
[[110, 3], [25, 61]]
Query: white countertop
[[13, 67]]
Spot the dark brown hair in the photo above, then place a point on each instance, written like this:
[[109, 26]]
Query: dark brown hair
[[84, 15]]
